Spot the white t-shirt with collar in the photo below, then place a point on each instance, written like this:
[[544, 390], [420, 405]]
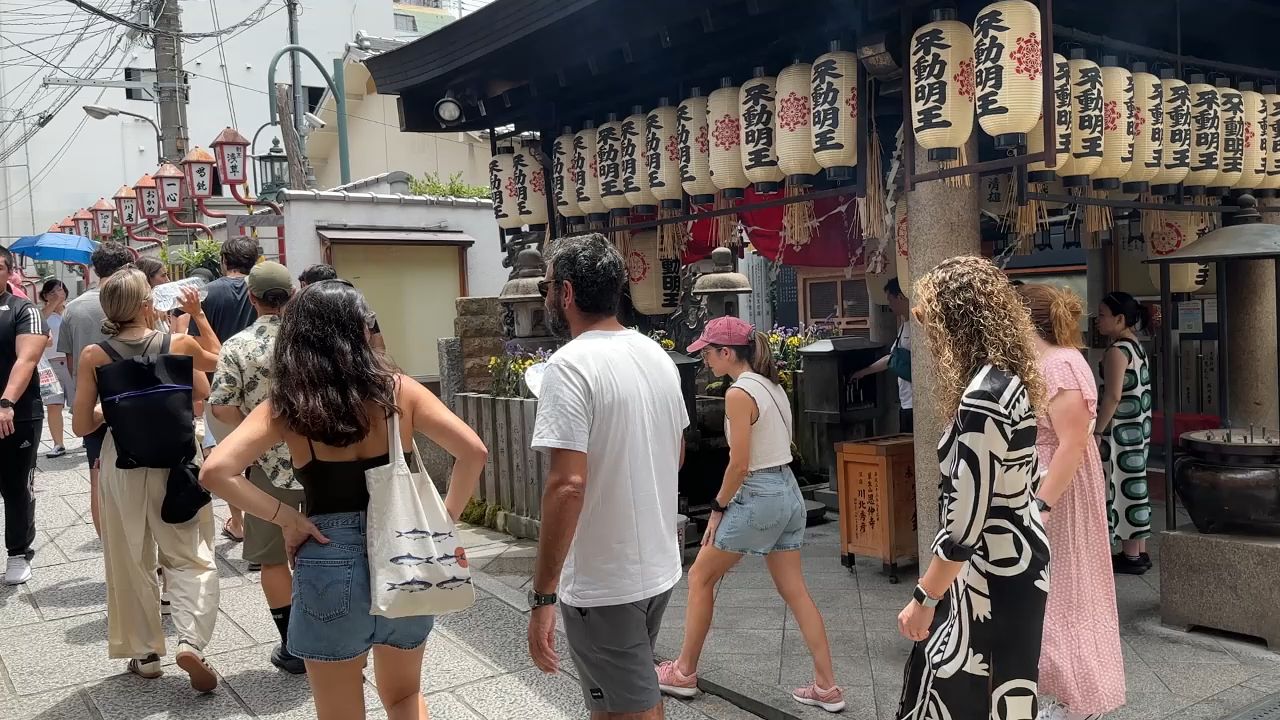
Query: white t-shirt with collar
[[615, 395]]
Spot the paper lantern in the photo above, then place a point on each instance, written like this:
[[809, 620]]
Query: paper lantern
[[655, 282], [198, 166], [502, 189], [1257, 138], [102, 218], [1117, 125], [1206, 136], [833, 98], [635, 164], [1148, 130], [83, 220], [794, 123], [127, 206], [662, 148], [530, 202], [1177, 230], [586, 178], [694, 142], [757, 105], [230, 148], [148, 197], [1230, 138], [169, 180], [1273, 137], [942, 85], [609, 166], [1062, 113], [1008, 65], [1086, 118], [1175, 159], [724, 122], [564, 175]]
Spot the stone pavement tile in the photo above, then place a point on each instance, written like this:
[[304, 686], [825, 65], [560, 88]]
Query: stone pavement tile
[[1139, 678], [60, 482], [75, 588], [227, 637], [58, 653], [741, 640], [230, 577], [770, 618], [1252, 653], [837, 617], [81, 503], [128, 697], [764, 667], [843, 641], [681, 710], [1175, 648], [77, 542], [881, 619], [679, 596], [1220, 705], [496, 632], [64, 704], [1268, 682], [888, 646], [47, 553], [1148, 706], [717, 708], [1198, 681], [475, 536], [514, 571], [447, 664], [860, 704], [17, 607], [744, 597], [851, 671], [54, 512], [247, 608], [267, 691], [444, 706], [747, 579], [527, 695], [888, 682], [884, 596]]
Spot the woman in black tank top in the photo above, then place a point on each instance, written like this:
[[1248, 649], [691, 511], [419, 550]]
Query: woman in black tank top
[[332, 398]]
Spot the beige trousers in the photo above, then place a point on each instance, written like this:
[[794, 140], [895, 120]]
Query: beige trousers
[[135, 541]]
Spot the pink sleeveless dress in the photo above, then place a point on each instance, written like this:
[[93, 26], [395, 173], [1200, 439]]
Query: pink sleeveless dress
[[1081, 665]]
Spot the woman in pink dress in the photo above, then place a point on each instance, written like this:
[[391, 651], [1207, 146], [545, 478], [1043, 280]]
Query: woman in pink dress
[[1081, 666]]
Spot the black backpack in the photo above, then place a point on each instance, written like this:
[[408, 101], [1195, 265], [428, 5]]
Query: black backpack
[[146, 401]]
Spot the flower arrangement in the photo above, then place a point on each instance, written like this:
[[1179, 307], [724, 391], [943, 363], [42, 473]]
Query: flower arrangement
[[786, 343], [507, 371], [662, 338]]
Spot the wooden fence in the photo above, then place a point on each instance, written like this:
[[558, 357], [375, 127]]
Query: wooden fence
[[514, 475]]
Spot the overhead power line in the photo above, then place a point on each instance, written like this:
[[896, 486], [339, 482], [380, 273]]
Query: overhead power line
[[251, 19]]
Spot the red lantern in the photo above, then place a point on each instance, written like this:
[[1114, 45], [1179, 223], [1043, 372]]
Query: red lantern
[[126, 206], [169, 180], [67, 225], [231, 149], [148, 197], [198, 165], [102, 218]]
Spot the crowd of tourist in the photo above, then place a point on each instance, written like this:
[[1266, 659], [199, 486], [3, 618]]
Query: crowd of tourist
[[280, 399]]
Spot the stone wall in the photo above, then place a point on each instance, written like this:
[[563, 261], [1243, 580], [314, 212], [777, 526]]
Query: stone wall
[[479, 330]]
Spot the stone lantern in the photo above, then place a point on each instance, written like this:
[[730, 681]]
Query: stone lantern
[[720, 286], [524, 313]]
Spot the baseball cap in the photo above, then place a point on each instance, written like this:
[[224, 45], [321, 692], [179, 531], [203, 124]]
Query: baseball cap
[[267, 276], [725, 330]]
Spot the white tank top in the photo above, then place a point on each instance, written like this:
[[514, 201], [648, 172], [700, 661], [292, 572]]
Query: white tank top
[[771, 433]]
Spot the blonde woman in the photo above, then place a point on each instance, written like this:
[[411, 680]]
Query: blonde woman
[[1081, 666], [977, 614], [135, 539]]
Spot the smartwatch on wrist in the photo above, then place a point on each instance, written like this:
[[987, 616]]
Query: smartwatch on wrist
[[922, 597], [537, 600], [1044, 506]]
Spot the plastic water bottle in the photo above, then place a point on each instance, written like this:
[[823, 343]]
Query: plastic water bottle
[[165, 297]]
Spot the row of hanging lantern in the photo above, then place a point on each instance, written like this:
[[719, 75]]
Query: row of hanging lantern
[[518, 189]]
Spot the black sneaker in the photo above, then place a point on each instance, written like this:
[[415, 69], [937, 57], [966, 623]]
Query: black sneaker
[[286, 661], [1146, 560], [1120, 563]]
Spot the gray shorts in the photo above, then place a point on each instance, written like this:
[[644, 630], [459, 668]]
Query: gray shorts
[[612, 647]]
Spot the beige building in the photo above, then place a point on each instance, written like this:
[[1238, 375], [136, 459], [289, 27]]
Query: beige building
[[373, 129]]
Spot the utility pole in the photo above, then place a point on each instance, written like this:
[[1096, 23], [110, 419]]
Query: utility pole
[[171, 93], [295, 70], [292, 139]]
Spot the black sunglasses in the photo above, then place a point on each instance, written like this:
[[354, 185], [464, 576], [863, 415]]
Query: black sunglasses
[[544, 286]]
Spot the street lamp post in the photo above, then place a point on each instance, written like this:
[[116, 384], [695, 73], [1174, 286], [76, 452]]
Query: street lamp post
[[102, 112], [337, 86]]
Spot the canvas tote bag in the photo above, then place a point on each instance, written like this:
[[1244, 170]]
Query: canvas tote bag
[[415, 557]]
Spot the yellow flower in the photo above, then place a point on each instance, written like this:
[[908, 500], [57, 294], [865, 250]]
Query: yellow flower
[[668, 344]]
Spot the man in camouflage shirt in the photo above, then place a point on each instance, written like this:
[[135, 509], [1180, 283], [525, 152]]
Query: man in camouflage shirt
[[241, 383]]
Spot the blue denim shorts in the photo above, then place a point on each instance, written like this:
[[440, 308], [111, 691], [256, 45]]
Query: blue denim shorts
[[767, 515], [330, 618]]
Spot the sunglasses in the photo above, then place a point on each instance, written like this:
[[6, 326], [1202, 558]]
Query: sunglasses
[[544, 286]]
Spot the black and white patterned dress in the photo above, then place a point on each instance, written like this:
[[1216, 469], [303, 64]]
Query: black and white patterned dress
[[981, 659]]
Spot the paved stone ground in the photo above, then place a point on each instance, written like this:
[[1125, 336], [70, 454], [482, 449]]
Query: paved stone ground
[[53, 660]]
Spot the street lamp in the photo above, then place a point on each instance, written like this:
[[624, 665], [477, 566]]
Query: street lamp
[[102, 112], [102, 218], [273, 170]]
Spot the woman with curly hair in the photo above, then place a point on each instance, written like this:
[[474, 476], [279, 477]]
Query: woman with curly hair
[[978, 612]]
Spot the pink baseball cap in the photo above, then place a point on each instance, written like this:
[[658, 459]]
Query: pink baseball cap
[[727, 330]]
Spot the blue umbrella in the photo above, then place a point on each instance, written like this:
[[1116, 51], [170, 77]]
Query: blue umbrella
[[55, 246]]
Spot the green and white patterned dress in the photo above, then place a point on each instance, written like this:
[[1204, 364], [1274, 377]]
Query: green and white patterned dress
[[1124, 449]]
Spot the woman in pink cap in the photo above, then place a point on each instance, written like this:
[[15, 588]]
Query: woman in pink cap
[[758, 511]]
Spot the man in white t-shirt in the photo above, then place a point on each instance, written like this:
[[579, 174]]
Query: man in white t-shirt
[[901, 349], [612, 419]]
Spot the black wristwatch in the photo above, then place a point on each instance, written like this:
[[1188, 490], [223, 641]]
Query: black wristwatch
[[1044, 506], [718, 507], [922, 597], [537, 600], [6, 404]]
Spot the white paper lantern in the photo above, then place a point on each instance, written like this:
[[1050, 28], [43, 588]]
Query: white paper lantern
[[1177, 230], [724, 122], [1257, 138], [833, 97], [502, 189], [694, 139], [635, 164], [942, 85], [662, 148], [1008, 65], [1148, 130], [655, 282], [1175, 159], [795, 124], [1230, 138], [609, 165], [587, 174], [757, 106], [565, 176], [1206, 136], [1086, 118], [1273, 137], [531, 189], [1062, 114], [1117, 125]]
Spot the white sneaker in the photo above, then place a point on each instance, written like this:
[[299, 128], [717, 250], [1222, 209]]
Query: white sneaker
[[18, 570]]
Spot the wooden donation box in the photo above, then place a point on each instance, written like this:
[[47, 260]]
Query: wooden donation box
[[877, 488]]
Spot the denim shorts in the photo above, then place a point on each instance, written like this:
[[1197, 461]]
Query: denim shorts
[[330, 618], [767, 515]]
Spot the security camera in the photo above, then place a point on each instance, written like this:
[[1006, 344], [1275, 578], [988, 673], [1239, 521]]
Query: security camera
[[313, 120]]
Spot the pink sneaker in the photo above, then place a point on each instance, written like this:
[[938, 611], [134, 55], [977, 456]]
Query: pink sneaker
[[830, 700], [673, 682]]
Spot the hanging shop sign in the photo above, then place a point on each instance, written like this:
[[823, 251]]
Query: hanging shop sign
[[502, 188], [1175, 157], [609, 165], [1206, 136], [662, 149], [757, 106], [1087, 121], [635, 164], [1062, 113], [694, 138], [530, 183], [564, 175], [1257, 138], [586, 177], [1148, 130], [794, 124], [1117, 125], [1008, 64], [724, 122], [833, 94], [942, 85], [1231, 138], [655, 282]]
